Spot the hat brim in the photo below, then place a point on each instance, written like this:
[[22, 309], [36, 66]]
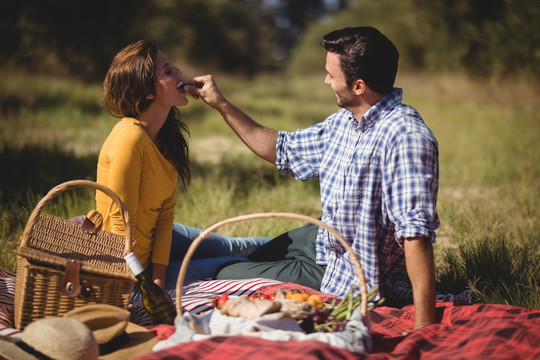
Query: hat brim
[[141, 341], [11, 351]]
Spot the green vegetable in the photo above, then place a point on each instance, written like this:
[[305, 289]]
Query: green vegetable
[[350, 302]]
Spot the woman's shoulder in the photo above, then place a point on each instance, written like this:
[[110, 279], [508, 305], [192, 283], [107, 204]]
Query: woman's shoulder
[[128, 130]]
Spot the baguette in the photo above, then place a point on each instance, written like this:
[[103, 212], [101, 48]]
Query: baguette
[[249, 308]]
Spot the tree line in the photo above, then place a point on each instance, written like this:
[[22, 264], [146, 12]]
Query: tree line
[[79, 38]]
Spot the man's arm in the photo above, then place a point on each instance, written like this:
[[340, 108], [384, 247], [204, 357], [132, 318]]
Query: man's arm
[[259, 139], [421, 270]]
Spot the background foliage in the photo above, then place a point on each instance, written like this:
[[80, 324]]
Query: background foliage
[[495, 37]]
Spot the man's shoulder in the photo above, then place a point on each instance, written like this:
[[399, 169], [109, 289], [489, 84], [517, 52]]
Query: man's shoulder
[[403, 122], [403, 117]]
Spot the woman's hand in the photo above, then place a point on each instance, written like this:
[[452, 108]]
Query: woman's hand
[[159, 272]]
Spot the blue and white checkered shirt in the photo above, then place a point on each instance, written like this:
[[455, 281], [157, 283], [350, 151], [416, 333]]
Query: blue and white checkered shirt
[[379, 179]]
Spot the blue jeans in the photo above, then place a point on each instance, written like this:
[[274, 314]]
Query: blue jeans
[[212, 252]]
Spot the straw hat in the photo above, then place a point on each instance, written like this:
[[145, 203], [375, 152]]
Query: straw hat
[[82, 334], [116, 336], [55, 338]]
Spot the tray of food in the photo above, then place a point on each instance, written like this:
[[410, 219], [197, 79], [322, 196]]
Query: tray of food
[[284, 315]]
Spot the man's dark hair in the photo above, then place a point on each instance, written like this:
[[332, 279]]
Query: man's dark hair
[[365, 54]]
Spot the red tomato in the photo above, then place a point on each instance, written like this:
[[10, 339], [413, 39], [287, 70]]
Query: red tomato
[[222, 299], [264, 297], [272, 296], [253, 296]]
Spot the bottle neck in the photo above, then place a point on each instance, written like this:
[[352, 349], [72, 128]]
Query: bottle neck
[[134, 264]]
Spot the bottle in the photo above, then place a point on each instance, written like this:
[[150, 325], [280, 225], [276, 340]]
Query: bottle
[[156, 301]]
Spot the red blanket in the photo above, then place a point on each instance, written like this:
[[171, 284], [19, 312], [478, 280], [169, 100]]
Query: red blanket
[[476, 331]]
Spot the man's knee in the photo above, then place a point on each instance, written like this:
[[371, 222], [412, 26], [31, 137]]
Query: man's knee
[[294, 270]]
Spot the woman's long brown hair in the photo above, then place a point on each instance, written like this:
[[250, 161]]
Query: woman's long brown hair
[[131, 77]]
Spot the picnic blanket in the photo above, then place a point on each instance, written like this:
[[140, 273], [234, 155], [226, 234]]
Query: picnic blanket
[[462, 331], [477, 331]]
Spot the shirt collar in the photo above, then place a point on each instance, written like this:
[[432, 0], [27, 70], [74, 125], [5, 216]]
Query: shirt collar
[[374, 114]]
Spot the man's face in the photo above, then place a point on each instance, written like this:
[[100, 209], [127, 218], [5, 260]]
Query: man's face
[[336, 79]]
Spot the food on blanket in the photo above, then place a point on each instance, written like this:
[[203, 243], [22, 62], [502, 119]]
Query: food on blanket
[[263, 296], [303, 296], [321, 320], [156, 301], [331, 319], [219, 301], [298, 296], [350, 302], [296, 309], [312, 314], [249, 308]]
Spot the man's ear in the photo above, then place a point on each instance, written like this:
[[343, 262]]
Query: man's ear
[[149, 96], [359, 86]]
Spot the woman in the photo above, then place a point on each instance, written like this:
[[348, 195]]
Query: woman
[[142, 158]]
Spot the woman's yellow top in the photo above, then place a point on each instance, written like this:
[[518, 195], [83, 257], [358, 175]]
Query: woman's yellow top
[[131, 165]]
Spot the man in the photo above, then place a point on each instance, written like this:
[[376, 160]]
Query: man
[[377, 163]]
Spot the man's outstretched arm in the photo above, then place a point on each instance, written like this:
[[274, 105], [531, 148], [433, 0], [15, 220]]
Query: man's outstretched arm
[[259, 139]]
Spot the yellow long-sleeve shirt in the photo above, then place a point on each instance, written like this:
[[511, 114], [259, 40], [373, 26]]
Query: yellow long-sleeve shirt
[[131, 165]]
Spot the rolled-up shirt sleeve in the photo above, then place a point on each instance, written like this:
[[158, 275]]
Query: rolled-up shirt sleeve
[[299, 153], [410, 186]]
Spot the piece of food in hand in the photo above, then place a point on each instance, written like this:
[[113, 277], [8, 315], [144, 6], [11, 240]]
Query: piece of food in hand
[[190, 83], [249, 308]]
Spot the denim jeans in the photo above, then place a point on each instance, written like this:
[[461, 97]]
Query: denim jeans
[[211, 253]]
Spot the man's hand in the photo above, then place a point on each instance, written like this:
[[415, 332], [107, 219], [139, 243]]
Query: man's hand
[[259, 139], [206, 88], [421, 270]]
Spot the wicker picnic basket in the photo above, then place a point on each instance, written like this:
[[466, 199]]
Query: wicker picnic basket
[[206, 233], [62, 265]]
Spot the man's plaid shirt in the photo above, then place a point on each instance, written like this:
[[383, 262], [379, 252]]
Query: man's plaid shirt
[[379, 179]]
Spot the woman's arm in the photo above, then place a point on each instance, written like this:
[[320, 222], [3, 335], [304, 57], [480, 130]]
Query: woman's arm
[[161, 249], [124, 173]]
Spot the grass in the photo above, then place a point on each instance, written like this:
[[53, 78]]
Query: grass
[[51, 131]]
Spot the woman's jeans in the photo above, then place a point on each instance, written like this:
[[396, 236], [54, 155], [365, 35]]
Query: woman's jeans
[[212, 252]]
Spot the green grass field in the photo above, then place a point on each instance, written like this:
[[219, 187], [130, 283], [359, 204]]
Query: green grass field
[[488, 131]]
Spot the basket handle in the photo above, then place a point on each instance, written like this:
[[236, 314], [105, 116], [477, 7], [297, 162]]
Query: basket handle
[[203, 235], [57, 190]]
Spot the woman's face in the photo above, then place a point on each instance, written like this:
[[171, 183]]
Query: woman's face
[[167, 80]]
